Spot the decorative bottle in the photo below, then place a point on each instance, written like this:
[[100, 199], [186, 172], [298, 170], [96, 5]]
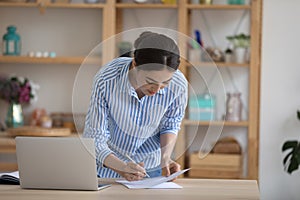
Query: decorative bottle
[[233, 107], [11, 42]]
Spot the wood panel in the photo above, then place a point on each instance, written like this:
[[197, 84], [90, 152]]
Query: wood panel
[[109, 30], [214, 173], [215, 123], [56, 60], [215, 165], [254, 91], [52, 5], [8, 167], [218, 7]]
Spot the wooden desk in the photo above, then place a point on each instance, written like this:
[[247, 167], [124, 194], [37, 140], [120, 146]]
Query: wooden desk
[[206, 189]]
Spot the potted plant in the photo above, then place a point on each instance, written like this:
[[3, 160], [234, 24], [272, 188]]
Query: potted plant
[[291, 161], [241, 43], [228, 55]]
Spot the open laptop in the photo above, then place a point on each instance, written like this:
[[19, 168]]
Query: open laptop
[[57, 163]]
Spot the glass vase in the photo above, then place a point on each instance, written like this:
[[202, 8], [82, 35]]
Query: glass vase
[[14, 117], [234, 107]]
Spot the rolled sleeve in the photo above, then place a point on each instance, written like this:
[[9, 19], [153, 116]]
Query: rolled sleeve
[[172, 119], [96, 124]]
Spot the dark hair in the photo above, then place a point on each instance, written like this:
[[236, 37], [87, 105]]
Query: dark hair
[[155, 51]]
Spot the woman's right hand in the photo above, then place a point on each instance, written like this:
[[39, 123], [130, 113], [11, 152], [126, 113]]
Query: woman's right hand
[[133, 171], [130, 171]]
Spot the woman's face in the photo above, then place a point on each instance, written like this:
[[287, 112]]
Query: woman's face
[[150, 82]]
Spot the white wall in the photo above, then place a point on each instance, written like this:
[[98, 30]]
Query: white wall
[[280, 97]]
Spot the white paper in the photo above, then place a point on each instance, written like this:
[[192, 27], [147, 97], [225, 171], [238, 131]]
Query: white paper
[[157, 182], [13, 174]]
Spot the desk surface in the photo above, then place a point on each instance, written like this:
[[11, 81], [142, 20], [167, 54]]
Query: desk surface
[[192, 189]]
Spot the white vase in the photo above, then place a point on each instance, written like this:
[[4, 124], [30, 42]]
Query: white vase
[[194, 55], [240, 55]]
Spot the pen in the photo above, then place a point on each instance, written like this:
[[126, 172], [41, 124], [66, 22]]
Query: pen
[[127, 156]]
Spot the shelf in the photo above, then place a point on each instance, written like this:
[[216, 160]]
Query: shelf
[[74, 5], [56, 60], [219, 7], [218, 64], [53, 5], [146, 6], [215, 123], [125, 5]]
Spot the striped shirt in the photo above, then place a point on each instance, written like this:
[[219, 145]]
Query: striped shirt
[[121, 123]]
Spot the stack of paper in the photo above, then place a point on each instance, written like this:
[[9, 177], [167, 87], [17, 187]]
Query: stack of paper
[[157, 182]]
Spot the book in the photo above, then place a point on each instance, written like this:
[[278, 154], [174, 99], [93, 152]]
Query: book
[[11, 178]]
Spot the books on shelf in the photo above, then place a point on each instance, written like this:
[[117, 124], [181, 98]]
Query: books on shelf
[[10, 178]]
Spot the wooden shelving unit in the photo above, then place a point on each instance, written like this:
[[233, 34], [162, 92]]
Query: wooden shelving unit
[[112, 24], [252, 124], [183, 15]]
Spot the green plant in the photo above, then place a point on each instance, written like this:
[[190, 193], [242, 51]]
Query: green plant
[[240, 40], [291, 161]]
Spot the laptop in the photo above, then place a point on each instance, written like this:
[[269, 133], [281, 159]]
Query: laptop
[[66, 163]]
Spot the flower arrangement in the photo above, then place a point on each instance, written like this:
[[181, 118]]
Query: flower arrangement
[[17, 90]]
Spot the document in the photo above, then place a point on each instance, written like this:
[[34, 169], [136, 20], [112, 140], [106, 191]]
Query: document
[[157, 182]]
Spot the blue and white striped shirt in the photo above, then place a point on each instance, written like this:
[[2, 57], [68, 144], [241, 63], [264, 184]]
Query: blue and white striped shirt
[[121, 123]]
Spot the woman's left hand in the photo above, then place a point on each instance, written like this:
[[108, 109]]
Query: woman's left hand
[[170, 167]]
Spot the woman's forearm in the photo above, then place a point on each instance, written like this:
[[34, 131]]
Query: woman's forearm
[[167, 143], [114, 163]]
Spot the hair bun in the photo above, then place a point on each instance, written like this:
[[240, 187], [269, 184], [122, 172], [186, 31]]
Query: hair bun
[[139, 41], [153, 47]]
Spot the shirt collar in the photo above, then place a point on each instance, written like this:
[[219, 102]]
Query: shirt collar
[[125, 85]]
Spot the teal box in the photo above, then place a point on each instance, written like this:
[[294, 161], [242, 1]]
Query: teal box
[[236, 2], [202, 107]]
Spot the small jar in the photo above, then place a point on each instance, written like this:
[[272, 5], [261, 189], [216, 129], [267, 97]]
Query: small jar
[[68, 122], [57, 119], [46, 122], [11, 42], [207, 2]]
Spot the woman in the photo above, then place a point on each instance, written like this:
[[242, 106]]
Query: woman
[[136, 109]]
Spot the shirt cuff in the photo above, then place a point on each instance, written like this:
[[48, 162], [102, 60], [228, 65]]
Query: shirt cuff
[[102, 155], [169, 131]]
